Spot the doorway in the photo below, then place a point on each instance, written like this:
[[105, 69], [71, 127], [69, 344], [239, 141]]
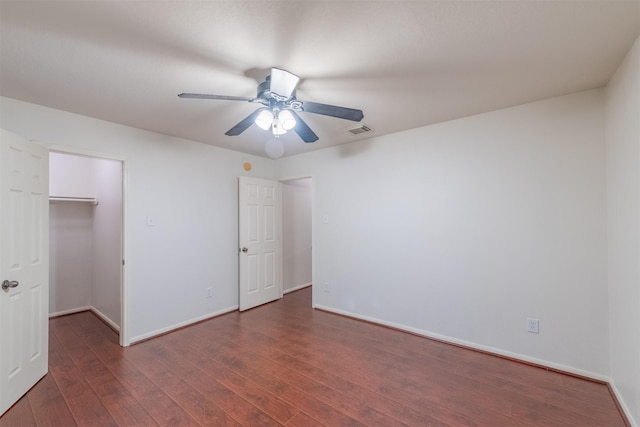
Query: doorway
[[297, 196], [86, 237]]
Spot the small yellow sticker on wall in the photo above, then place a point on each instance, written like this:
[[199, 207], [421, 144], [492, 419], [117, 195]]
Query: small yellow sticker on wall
[[247, 166]]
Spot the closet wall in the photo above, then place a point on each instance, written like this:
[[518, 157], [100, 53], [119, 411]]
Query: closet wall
[[85, 239], [296, 233]]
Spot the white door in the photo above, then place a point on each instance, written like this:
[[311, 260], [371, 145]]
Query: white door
[[260, 225], [24, 266]]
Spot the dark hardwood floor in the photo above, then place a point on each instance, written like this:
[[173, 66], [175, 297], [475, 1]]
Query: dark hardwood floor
[[287, 364]]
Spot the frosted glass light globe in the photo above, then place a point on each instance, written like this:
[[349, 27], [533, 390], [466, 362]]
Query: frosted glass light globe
[[274, 148]]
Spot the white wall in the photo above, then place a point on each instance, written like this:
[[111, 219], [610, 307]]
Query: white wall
[[70, 256], [296, 233], [71, 176], [107, 239], [464, 229], [191, 190], [623, 227]]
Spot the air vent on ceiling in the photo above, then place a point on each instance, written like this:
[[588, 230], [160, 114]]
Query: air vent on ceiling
[[360, 129]]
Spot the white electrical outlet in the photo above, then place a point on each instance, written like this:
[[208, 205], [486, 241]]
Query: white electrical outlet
[[325, 286], [533, 325], [209, 292]]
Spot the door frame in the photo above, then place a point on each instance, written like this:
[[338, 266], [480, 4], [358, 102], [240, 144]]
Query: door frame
[[313, 227], [124, 296]]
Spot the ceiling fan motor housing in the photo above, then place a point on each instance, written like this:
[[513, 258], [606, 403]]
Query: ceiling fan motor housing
[[264, 92]]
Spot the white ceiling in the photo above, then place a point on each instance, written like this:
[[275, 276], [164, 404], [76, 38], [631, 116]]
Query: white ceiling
[[406, 64]]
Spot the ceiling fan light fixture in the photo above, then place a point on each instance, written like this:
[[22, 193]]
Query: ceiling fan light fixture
[[280, 107], [264, 119], [274, 148], [276, 128], [287, 121]]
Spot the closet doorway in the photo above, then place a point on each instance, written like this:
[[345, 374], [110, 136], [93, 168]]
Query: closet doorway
[[297, 195], [86, 237]]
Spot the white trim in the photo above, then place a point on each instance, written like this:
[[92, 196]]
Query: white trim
[[297, 288], [70, 311], [182, 324], [622, 404], [90, 308], [493, 350], [124, 288], [105, 319], [81, 152]]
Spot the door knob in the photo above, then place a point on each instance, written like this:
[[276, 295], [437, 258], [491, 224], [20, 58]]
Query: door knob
[[245, 249], [9, 284]]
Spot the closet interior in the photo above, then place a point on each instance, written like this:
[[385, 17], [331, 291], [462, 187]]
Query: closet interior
[[85, 236]]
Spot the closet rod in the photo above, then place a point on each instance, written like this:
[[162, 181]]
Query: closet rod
[[91, 200]]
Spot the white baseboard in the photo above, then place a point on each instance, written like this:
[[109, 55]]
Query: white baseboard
[[297, 288], [473, 345], [105, 319], [90, 308], [70, 311], [181, 324], [622, 404]]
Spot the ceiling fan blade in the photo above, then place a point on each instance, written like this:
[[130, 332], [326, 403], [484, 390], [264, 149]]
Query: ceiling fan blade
[[303, 130], [333, 111], [244, 124], [283, 83], [205, 96]]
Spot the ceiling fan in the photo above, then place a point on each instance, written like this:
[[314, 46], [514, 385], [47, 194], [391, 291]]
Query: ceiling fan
[[280, 107]]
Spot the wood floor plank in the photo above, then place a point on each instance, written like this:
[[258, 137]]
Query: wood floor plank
[[82, 401], [163, 409], [351, 391], [390, 407], [199, 406], [244, 387], [20, 414], [426, 394], [303, 420], [118, 401], [516, 391], [286, 364], [230, 402], [264, 371], [47, 403]]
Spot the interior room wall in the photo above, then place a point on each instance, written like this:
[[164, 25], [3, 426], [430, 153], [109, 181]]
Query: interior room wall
[[623, 227], [296, 233], [107, 238], [191, 191], [464, 229]]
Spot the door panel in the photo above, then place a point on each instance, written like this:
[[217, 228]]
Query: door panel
[[260, 275], [24, 258]]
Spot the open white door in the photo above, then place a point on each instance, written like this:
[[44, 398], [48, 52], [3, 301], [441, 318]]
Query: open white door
[[24, 266], [260, 241]]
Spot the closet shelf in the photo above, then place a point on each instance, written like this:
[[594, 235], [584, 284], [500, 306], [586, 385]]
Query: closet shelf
[[92, 200]]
